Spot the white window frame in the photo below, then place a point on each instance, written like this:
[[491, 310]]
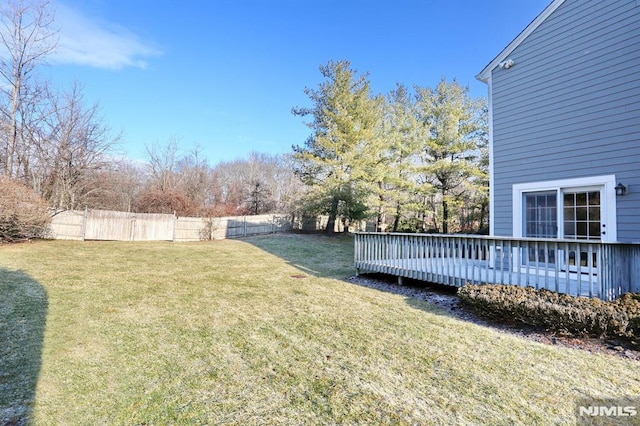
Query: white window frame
[[608, 202]]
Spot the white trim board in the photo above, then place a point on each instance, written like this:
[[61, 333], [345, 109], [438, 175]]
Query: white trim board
[[485, 74], [491, 161], [608, 202]]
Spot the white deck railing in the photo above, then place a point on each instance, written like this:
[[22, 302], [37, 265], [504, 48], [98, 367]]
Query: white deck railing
[[584, 268]]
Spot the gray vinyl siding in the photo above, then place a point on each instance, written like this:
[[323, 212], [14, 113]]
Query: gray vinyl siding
[[570, 106]]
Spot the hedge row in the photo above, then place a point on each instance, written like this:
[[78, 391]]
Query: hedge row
[[559, 312]]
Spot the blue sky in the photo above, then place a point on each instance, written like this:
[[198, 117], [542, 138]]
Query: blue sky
[[224, 74]]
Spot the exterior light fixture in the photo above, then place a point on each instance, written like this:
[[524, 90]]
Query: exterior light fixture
[[620, 189], [506, 64]]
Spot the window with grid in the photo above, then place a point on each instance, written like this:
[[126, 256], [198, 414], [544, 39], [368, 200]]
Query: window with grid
[[582, 215]]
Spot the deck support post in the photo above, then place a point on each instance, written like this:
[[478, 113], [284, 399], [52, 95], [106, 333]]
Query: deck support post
[[399, 280]]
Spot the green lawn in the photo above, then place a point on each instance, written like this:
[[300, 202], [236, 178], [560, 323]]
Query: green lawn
[[260, 331]]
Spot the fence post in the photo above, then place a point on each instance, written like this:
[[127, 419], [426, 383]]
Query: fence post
[[132, 233], [84, 222], [175, 221], [244, 218]]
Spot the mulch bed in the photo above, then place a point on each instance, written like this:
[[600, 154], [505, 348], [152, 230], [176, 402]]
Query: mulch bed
[[445, 297]]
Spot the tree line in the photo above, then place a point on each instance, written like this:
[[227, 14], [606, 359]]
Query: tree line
[[411, 160], [58, 145]]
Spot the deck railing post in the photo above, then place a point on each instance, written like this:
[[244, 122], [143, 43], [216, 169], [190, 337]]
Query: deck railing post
[[634, 269], [578, 269], [518, 262], [593, 264], [556, 254], [467, 259], [494, 259], [607, 273], [509, 261], [547, 263], [501, 243]]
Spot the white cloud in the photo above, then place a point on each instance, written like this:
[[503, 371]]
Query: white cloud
[[100, 44]]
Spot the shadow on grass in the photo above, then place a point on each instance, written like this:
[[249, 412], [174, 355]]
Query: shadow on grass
[[437, 299], [23, 313], [417, 291], [313, 254]]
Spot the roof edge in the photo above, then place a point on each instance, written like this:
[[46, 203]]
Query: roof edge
[[485, 74]]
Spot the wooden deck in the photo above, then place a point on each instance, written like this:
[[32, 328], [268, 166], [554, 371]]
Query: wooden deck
[[480, 272], [579, 268]]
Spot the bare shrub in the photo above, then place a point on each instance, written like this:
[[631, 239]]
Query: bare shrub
[[168, 202], [23, 212], [207, 231]]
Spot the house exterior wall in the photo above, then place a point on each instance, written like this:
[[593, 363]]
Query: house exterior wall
[[570, 107]]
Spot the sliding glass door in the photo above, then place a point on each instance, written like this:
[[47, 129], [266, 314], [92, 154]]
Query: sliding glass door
[[568, 213], [540, 221]]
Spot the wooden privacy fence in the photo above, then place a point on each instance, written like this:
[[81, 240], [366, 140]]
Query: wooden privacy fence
[[580, 268], [91, 224]]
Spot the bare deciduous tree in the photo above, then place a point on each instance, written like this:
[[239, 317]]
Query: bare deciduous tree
[[261, 183], [115, 187], [163, 163], [194, 178], [73, 145], [26, 38]]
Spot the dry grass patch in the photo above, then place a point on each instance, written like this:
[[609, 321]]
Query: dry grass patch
[[228, 332]]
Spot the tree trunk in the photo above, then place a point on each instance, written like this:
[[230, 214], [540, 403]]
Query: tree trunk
[[380, 218], [484, 216], [396, 220], [333, 214], [445, 215], [13, 126]]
